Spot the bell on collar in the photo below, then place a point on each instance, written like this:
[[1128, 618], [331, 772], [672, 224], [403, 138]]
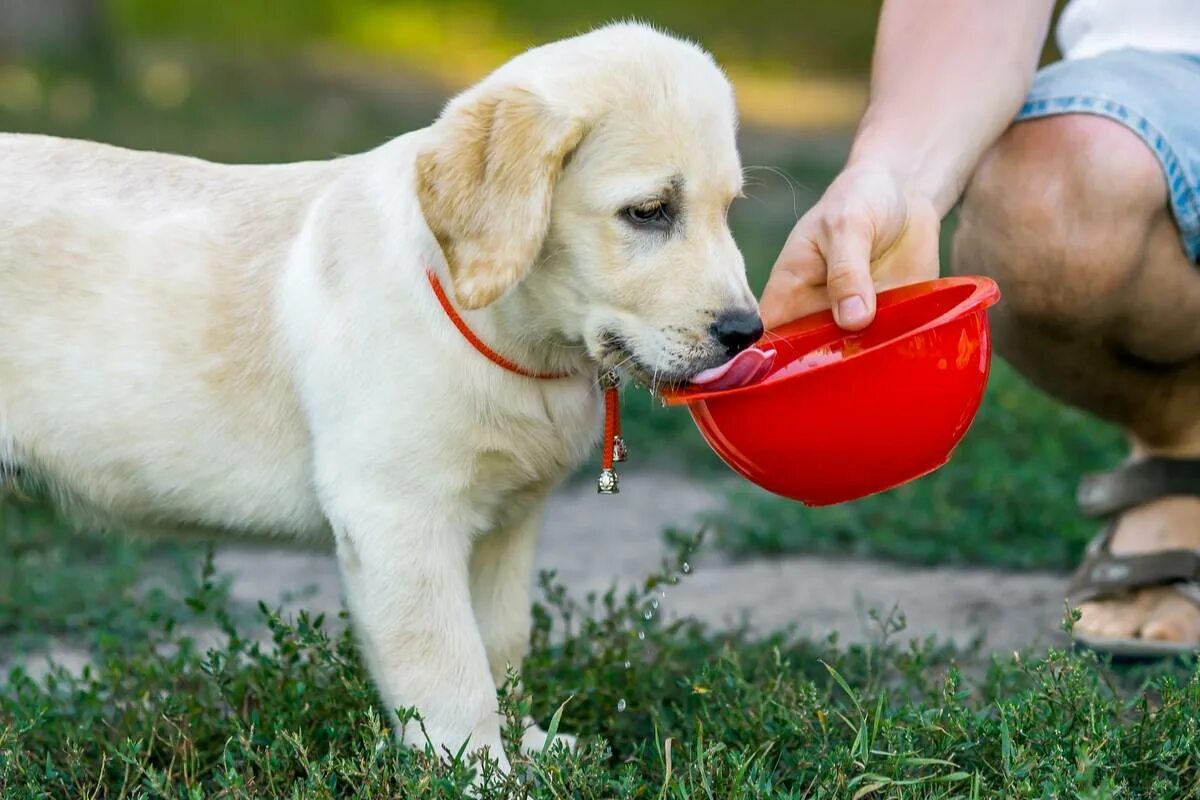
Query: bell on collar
[[608, 483]]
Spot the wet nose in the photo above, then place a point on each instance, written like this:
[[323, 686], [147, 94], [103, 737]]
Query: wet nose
[[737, 330]]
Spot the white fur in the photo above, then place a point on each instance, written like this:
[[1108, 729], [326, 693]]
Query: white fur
[[254, 350]]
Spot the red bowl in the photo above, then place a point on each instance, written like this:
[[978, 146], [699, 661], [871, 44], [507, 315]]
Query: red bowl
[[844, 415]]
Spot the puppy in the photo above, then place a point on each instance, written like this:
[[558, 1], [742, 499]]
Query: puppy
[[259, 351]]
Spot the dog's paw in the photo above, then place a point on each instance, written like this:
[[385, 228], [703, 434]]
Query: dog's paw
[[533, 741]]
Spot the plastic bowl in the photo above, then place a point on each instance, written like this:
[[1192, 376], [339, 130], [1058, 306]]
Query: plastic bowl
[[841, 416]]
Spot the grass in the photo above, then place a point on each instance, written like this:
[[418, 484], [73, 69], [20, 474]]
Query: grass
[[282, 708], [57, 584]]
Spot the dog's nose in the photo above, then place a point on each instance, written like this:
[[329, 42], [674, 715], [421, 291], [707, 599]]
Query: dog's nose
[[737, 330]]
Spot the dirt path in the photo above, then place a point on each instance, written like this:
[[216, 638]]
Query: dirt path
[[592, 540]]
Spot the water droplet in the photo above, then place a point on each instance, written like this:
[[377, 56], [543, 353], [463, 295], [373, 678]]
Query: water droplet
[[654, 604], [663, 594], [626, 665], [648, 615], [686, 568], [642, 635], [621, 705]]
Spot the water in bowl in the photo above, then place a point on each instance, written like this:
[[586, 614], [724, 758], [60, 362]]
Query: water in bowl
[[825, 354]]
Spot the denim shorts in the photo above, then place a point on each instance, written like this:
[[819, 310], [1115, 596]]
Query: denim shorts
[[1155, 95]]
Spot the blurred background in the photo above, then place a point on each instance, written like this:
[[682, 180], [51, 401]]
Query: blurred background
[[263, 81]]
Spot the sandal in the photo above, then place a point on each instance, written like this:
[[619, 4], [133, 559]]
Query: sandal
[[1104, 574]]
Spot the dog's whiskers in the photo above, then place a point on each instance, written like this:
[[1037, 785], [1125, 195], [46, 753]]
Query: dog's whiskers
[[788, 179], [772, 337], [628, 358]]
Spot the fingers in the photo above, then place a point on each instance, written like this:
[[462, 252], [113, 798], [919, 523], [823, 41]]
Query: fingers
[[825, 263], [863, 233], [787, 297], [796, 286], [914, 256]]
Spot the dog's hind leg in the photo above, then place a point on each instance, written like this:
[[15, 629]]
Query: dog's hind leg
[[501, 573]]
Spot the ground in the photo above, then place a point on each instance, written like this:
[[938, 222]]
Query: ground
[[592, 542]]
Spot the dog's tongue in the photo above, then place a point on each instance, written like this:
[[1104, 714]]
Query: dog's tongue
[[746, 367]]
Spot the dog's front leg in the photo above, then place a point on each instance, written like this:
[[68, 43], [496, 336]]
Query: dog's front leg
[[405, 571], [501, 580]]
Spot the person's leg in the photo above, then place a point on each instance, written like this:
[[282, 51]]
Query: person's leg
[[1101, 308]]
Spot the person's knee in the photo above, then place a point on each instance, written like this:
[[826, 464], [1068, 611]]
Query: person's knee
[[1058, 213]]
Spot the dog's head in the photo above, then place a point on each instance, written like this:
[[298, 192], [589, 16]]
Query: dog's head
[[587, 184]]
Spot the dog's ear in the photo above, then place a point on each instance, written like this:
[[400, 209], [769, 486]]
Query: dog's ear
[[485, 187]]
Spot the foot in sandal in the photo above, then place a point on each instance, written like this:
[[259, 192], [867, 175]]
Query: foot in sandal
[[1138, 588]]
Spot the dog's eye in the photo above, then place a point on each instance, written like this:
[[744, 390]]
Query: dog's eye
[[653, 213]]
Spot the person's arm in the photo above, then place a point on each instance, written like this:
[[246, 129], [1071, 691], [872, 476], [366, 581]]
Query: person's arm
[[946, 80]]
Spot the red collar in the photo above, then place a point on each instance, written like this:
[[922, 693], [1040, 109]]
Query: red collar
[[477, 343], [612, 447]]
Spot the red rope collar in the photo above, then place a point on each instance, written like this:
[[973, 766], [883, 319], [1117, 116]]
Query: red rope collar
[[613, 448], [477, 343]]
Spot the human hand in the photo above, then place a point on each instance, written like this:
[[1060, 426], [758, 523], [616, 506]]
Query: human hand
[[866, 233]]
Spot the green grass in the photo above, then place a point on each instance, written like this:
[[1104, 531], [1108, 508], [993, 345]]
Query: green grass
[[54, 583], [705, 715]]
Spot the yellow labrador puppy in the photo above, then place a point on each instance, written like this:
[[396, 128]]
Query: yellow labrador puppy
[[259, 351]]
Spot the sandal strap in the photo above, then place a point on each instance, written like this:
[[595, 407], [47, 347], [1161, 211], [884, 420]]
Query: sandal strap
[[1103, 573], [1191, 591], [1107, 493]]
